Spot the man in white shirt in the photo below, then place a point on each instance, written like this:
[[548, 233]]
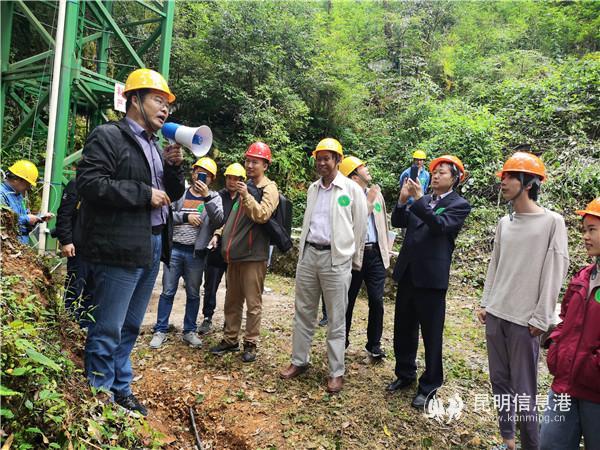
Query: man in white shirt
[[331, 245]]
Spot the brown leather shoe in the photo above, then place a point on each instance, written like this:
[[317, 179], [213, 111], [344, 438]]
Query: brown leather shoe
[[292, 371], [335, 384]]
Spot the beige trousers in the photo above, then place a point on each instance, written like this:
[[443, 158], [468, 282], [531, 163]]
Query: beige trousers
[[245, 281], [315, 275]]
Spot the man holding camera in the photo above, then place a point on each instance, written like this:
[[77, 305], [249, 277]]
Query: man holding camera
[[126, 184], [422, 271], [245, 248], [196, 216]]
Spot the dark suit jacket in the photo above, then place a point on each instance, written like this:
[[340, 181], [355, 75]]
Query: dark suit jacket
[[429, 240]]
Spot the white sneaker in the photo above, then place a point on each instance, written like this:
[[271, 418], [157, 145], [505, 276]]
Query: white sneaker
[[158, 339], [192, 339]]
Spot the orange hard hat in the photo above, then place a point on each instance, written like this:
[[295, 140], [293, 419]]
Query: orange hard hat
[[592, 208], [524, 162], [451, 159]]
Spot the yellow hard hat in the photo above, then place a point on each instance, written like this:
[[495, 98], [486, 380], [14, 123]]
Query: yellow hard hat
[[419, 154], [207, 164], [236, 169], [330, 144], [26, 170], [147, 79], [349, 165]]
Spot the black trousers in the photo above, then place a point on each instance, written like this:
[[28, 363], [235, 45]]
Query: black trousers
[[373, 274], [79, 290], [425, 308], [212, 278]]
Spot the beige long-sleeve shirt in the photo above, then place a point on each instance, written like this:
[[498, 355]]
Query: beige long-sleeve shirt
[[528, 266], [347, 220]]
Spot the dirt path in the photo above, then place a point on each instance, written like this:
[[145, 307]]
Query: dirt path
[[247, 406]]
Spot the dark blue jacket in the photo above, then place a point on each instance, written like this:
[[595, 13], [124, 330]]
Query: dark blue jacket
[[429, 241], [16, 202]]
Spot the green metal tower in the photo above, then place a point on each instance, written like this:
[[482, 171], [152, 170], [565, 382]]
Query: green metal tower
[[102, 41]]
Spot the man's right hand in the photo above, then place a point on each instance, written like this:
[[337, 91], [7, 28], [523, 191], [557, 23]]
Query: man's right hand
[[194, 220], [404, 195], [159, 198], [33, 219], [213, 242], [68, 250], [481, 315]]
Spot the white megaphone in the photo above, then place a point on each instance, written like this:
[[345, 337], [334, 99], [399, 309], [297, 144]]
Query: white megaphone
[[198, 140]]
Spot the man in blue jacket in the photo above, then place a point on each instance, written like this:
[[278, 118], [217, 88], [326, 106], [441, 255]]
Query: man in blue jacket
[[126, 185], [422, 271], [21, 176]]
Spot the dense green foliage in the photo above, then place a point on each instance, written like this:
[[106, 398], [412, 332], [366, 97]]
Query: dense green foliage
[[45, 400], [470, 78]]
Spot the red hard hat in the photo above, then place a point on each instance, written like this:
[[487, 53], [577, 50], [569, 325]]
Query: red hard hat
[[259, 150]]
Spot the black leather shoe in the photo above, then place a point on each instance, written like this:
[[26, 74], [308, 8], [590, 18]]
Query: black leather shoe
[[420, 401], [130, 403], [376, 352], [400, 383], [249, 354], [224, 347]]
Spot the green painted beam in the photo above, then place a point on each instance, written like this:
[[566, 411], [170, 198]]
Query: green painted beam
[[141, 22], [72, 158], [151, 8], [30, 60], [82, 87], [141, 51], [27, 109], [26, 122], [6, 23], [44, 77], [166, 38], [61, 134], [91, 37], [102, 11], [36, 23]]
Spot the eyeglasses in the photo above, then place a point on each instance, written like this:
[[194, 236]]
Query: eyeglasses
[[160, 101]]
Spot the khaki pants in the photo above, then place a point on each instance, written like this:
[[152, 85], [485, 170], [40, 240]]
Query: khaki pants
[[245, 281], [314, 275]]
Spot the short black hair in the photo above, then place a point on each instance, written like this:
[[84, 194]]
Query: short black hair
[[535, 182], [454, 172], [142, 92]]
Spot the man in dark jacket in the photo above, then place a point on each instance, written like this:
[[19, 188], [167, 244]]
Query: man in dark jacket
[[78, 284], [126, 186], [422, 271], [245, 248]]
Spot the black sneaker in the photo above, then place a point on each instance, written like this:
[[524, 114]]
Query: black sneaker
[[376, 352], [131, 403], [323, 322], [249, 354], [224, 347]]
